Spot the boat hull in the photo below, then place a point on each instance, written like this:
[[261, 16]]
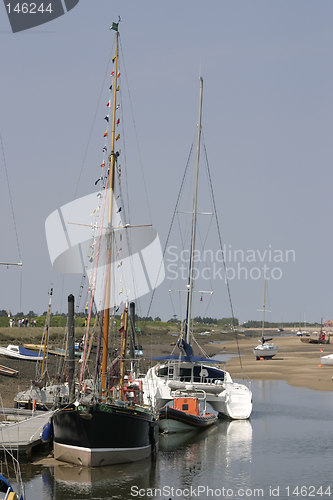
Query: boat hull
[[266, 351], [103, 434], [226, 397], [327, 360], [173, 420]]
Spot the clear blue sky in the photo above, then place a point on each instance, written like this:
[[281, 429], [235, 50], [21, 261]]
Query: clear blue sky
[[267, 119]]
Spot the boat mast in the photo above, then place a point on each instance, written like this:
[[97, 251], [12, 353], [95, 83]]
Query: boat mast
[[263, 309], [112, 161], [46, 333], [194, 227]]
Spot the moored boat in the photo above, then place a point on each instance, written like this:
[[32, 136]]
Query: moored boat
[[186, 371], [111, 425], [327, 359], [20, 352], [185, 414]]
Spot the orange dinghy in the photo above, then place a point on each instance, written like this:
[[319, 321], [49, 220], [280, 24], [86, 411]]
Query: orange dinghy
[[185, 414]]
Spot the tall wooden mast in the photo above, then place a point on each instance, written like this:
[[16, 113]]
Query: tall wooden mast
[[109, 232]]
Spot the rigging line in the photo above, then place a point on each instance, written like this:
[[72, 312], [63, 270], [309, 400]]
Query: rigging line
[[14, 221], [136, 136], [223, 256], [93, 121], [171, 225], [10, 199]]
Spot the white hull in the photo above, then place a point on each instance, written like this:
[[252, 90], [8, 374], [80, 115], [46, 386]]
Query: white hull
[[11, 353], [97, 457], [327, 360], [265, 351], [228, 398]]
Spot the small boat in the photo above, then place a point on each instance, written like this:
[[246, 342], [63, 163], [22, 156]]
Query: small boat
[[321, 339], [6, 490], [20, 352], [265, 349], [185, 414], [10, 372], [327, 359]]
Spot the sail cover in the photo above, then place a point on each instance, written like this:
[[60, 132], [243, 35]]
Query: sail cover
[[77, 236]]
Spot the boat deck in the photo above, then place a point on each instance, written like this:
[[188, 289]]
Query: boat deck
[[24, 435]]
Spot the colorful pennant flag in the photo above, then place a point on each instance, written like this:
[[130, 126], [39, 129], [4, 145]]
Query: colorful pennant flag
[[117, 137], [114, 26], [106, 133], [118, 121], [106, 118], [103, 164], [108, 104]]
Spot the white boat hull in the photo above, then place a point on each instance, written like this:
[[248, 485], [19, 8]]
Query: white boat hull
[[327, 360], [266, 351], [10, 352], [228, 398]]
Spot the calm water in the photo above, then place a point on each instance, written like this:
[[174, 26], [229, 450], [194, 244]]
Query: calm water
[[287, 445]]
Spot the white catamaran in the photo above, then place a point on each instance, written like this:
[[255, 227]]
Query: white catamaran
[[186, 372]]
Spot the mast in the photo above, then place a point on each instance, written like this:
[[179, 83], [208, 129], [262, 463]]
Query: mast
[[263, 309], [112, 160], [194, 227], [46, 332]]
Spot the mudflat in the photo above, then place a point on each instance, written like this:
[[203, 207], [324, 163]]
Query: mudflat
[[296, 362]]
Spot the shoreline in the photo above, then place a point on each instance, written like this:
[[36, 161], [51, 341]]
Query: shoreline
[[297, 363]]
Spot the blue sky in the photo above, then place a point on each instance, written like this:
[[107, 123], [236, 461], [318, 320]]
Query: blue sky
[[267, 121]]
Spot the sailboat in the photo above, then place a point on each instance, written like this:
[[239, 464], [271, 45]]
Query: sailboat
[[111, 425], [265, 349], [186, 372]]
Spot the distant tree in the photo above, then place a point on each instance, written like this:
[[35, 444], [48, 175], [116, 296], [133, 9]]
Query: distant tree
[[3, 312], [31, 314], [157, 318]]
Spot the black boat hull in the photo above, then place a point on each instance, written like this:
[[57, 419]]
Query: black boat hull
[[103, 434], [173, 420]]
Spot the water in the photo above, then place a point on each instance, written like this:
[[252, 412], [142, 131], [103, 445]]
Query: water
[[284, 451]]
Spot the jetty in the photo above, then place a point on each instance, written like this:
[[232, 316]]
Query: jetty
[[24, 435]]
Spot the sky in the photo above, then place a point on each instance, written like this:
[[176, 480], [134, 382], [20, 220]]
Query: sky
[[267, 125]]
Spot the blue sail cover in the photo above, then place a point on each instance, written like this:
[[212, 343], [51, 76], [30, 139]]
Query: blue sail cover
[[26, 352], [186, 355], [191, 359]]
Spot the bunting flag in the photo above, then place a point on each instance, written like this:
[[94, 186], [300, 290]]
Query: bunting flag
[[117, 88], [201, 299], [121, 329], [103, 164], [114, 26], [121, 291], [106, 118], [118, 106], [118, 121], [99, 179], [104, 149], [120, 263], [94, 211], [119, 210], [117, 137], [106, 133], [110, 88], [108, 104], [118, 75], [111, 74]]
